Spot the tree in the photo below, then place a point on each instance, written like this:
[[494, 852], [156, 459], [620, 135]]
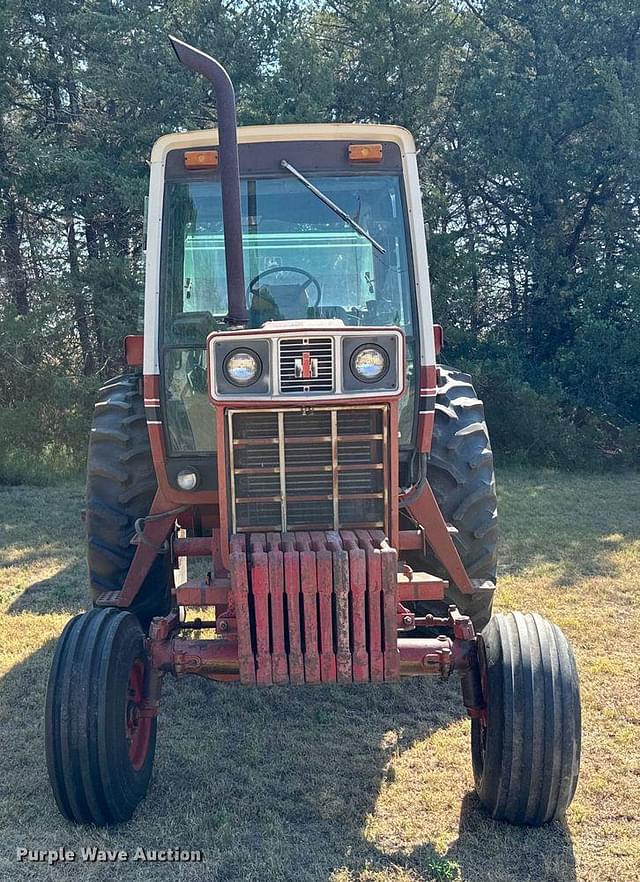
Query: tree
[[526, 120]]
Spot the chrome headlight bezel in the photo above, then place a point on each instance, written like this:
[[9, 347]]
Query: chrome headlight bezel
[[239, 381], [375, 350]]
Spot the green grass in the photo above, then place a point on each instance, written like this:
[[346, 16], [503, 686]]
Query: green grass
[[369, 784], [50, 467]]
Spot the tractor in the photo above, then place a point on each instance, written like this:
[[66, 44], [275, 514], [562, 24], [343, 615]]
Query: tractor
[[286, 419]]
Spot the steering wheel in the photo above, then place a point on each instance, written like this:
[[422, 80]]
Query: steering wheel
[[310, 280]]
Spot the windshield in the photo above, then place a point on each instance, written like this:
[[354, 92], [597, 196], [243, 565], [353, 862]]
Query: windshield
[[301, 260]]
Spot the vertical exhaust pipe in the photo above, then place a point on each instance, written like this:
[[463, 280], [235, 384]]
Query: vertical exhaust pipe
[[229, 166]]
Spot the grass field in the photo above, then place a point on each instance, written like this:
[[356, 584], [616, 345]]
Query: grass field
[[359, 785]]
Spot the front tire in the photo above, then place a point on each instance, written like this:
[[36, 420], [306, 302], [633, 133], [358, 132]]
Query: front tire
[[99, 746], [526, 754]]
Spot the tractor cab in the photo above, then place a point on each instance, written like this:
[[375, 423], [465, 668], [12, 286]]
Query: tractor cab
[[332, 232]]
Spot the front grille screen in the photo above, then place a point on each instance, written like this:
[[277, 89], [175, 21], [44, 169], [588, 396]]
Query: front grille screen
[[323, 469]]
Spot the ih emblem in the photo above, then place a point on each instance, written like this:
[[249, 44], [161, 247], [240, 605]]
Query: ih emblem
[[306, 368]]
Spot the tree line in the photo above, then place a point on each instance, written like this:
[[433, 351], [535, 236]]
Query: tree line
[[526, 116]]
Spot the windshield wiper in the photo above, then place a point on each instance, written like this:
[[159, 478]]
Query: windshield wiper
[[335, 208]]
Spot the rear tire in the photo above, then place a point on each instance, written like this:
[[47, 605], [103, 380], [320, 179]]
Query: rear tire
[[461, 474], [121, 484], [99, 749], [526, 755]]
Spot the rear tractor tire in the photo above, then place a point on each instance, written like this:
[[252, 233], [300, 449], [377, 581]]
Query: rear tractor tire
[[461, 474], [121, 485], [526, 752], [99, 746]]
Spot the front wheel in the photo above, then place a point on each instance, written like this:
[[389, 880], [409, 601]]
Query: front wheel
[[526, 752], [100, 746]]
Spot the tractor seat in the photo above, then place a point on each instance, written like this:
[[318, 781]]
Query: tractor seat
[[278, 303]]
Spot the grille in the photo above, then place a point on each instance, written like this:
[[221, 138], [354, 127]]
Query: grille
[[306, 365], [324, 469]]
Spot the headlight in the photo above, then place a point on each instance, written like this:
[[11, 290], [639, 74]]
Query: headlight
[[187, 479], [242, 367], [369, 363]]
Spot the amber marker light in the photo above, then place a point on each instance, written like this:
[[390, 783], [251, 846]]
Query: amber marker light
[[365, 152], [201, 159]]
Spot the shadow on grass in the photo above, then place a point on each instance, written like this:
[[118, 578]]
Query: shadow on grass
[[42, 549], [66, 590], [575, 525], [487, 849], [276, 785]]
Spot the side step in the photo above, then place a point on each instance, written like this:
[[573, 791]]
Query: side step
[[195, 592], [108, 598]]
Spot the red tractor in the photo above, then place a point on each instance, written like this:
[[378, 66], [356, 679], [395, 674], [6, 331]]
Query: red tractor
[[297, 431]]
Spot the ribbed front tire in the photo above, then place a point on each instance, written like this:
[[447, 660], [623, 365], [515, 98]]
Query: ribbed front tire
[[526, 755], [99, 746]]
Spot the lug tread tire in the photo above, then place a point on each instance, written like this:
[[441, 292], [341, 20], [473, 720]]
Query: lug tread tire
[[121, 484], [91, 776], [529, 769], [461, 474]]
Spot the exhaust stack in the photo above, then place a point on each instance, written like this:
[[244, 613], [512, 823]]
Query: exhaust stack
[[213, 71]]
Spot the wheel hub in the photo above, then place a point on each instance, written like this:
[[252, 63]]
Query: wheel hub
[[137, 727]]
